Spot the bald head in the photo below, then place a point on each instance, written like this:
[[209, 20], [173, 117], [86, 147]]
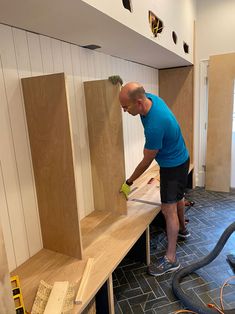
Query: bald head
[[131, 91], [132, 98]]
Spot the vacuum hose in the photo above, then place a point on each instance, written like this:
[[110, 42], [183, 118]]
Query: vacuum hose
[[190, 301]]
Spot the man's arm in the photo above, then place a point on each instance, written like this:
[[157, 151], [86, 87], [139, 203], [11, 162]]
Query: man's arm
[[149, 156]]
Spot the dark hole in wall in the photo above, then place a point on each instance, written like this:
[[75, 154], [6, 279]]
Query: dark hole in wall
[[127, 4], [155, 23], [91, 47], [186, 48], [174, 37]]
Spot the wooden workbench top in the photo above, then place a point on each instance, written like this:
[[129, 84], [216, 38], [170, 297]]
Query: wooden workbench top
[[106, 237]]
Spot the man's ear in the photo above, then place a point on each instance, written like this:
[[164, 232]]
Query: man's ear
[[139, 103]]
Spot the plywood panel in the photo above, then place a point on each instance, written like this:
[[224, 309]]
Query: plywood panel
[[176, 88], [52, 155], [106, 144], [221, 77]]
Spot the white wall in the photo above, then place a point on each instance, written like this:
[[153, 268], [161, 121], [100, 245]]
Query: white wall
[[215, 33], [177, 16], [24, 54]]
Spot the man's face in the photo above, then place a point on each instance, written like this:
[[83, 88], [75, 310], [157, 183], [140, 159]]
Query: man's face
[[130, 107]]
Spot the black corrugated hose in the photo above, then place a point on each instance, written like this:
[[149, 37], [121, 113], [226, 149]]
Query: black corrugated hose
[[191, 302]]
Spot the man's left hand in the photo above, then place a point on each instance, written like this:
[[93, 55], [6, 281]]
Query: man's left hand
[[125, 189]]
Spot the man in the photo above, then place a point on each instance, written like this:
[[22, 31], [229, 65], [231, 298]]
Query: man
[[165, 144]]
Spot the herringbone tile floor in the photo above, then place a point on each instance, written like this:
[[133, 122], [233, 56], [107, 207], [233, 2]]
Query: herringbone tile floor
[[136, 292]]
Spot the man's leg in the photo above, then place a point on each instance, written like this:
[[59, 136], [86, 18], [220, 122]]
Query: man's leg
[[172, 224], [183, 232], [181, 210]]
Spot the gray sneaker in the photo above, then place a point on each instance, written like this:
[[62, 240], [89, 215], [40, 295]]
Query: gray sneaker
[[162, 267], [184, 234]]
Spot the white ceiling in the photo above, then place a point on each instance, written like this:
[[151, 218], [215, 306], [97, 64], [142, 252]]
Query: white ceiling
[[76, 22]]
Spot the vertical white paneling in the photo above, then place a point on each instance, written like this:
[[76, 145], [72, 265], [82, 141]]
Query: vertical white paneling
[[77, 126], [25, 54], [98, 66], [83, 167], [82, 71], [21, 52], [46, 50], [8, 96], [6, 226], [91, 72], [13, 62], [69, 53], [57, 56], [35, 55], [23, 155]]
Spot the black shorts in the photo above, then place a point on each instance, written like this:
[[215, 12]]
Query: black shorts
[[173, 182]]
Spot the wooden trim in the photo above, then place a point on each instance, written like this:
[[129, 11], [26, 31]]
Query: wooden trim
[[85, 278], [57, 297], [148, 258], [110, 295]]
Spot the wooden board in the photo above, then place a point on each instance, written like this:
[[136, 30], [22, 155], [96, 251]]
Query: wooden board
[[219, 134], [147, 188], [83, 282], [57, 298], [176, 88], [106, 145], [52, 156]]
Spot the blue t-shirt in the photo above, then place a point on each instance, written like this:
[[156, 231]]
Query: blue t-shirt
[[162, 132]]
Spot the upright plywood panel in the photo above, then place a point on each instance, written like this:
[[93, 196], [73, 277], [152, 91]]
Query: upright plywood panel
[[106, 144], [221, 77], [52, 155], [176, 88]]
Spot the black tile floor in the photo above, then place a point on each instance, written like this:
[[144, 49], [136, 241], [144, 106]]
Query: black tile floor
[[136, 292]]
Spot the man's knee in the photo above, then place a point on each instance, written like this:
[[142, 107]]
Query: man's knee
[[169, 209]]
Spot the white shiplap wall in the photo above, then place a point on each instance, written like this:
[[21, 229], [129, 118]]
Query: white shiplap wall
[[24, 54]]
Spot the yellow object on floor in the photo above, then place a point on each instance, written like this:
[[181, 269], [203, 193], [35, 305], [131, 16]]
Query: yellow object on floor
[[17, 295]]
